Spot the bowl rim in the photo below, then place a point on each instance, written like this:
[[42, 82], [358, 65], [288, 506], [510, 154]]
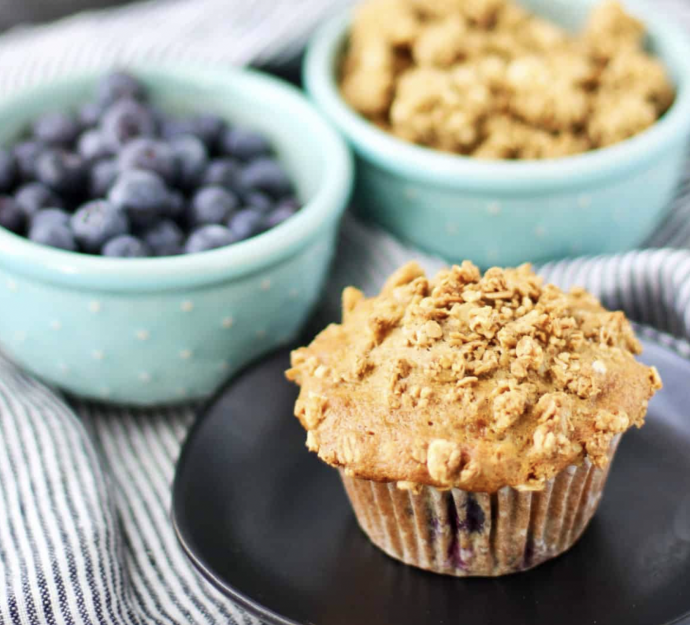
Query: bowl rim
[[442, 169], [77, 269]]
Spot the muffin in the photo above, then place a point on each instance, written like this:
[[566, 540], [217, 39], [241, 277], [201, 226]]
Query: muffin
[[473, 417]]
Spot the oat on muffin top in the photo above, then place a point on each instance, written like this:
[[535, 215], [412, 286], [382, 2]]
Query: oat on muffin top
[[471, 381]]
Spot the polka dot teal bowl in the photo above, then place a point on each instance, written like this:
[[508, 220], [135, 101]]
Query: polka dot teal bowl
[[507, 212], [147, 331]]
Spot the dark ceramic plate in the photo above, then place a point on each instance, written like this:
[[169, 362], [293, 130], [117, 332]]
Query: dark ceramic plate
[[268, 524]]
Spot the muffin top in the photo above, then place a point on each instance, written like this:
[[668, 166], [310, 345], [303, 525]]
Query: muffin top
[[471, 381]]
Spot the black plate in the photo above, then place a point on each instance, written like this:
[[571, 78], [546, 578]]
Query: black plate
[[269, 524]]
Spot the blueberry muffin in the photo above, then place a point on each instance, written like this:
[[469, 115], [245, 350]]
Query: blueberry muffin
[[473, 417]]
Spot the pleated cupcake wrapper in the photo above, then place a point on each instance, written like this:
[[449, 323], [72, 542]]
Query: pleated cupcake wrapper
[[460, 533]]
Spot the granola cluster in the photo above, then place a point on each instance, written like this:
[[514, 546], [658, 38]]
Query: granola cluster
[[470, 380], [488, 79]]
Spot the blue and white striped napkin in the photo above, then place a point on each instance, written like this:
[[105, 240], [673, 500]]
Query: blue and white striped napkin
[[85, 535]]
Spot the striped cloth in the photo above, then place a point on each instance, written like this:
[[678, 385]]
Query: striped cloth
[[85, 536]]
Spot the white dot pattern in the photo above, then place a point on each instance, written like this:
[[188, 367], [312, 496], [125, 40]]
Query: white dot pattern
[[584, 200], [492, 254], [411, 193], [451, 228], [12, 285], [493, 208], [105, 356], [618, 216], [540, 232]]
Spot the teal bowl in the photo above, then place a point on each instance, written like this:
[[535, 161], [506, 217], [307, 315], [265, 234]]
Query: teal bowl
[[150, 331], [508, 212]]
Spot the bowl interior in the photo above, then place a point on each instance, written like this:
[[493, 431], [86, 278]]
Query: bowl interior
[[664, 39], [573, 14], [312, 153], [232, 99]]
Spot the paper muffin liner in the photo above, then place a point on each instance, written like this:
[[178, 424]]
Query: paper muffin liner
[[455, 532]]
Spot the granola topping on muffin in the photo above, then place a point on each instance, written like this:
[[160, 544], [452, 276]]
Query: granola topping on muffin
[[471, 381]]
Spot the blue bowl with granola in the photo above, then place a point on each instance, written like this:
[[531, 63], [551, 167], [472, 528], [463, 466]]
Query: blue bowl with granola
[[506, 133], [206, 247]]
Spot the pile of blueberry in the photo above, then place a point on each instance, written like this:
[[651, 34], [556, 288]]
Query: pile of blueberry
[[121, 178]]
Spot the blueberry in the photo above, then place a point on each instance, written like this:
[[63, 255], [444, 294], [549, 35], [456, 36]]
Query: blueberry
[[209, 238], [26, 155], [11, 216], [258, 201], [50, 216], [89, 115], [208, 128], [224, 172], [474, 516], [93, 147], [267, 175], [55, 235], [175, 127], [126, 119], [117, 86], [212, 205], [151, 155], [62, 171], [289, 201], [142, 195], [160, 117], [34, 196], [126, 246], [101, 177], [176, 205], [244, 144], [164, 238], [96, 222], [278, 216], [191, 158], [246, 223], [56, 128], [8, 170]]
